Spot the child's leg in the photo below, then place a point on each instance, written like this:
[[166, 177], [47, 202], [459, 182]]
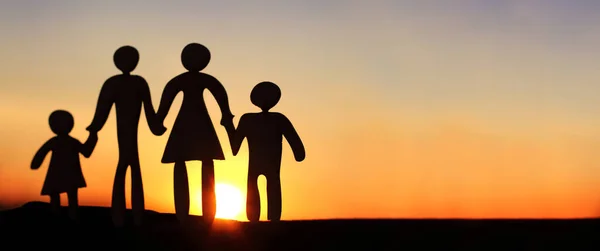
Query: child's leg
[[209, 200], [181, 190], [252, 198], [73, 204], [273, 197], [55, 203]]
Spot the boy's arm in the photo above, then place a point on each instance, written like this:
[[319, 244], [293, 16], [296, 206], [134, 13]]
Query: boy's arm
[[238, 135], [103, 107], [88, 147], [40, 155], [218, 91], [153, 122], [292, 137]]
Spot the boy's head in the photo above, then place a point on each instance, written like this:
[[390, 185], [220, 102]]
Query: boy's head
[[265, 95], [195, 57], [61, 122], [126, 58]]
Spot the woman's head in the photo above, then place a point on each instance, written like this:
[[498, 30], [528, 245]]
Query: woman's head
[[61, 122], [195, 57], [126, 58], [265, 95]]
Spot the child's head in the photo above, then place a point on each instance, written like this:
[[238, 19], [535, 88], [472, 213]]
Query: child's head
[[126, 58], [195, 57], [265, 95], [61, 122]]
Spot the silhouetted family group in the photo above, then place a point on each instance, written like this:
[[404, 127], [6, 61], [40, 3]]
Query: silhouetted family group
[[193, 137]]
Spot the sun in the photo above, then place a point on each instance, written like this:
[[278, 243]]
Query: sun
[[229, 201]]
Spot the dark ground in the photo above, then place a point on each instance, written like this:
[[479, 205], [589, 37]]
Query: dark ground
[[32, 227]]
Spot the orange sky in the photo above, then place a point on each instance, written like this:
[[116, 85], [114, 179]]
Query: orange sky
[[429, 113]]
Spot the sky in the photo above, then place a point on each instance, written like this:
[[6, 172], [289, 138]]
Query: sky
[[407, 109]]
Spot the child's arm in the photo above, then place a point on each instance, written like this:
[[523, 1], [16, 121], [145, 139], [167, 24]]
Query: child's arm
[[88, 147], [292, 137], [40, 155], [154, 123], [218, 91], [238, 135], [103, 107]]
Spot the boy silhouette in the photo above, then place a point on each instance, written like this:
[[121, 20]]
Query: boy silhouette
[[128, 93], [265, 131]]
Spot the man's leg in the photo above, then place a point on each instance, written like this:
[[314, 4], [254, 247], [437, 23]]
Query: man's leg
[[118, 194], [137, 193]]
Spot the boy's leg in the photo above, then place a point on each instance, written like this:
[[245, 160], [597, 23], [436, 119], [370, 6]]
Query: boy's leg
[[273, 197], [252, 198], [209, 203], [73, 204], [55, 203], [137, 193], [181, 191], [118, 194]]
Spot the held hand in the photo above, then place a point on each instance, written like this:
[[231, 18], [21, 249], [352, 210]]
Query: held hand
[[160, 130], [227, 120], [91, 130], [93, 135]]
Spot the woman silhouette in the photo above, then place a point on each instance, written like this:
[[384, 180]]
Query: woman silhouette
[[193, 136]]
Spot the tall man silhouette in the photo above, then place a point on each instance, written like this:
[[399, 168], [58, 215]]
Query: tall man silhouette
[[128, 93]]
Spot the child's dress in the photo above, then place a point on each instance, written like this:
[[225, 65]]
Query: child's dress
[[64, 172]]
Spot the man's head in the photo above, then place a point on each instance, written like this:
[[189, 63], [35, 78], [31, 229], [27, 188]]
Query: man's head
[[126, 59]]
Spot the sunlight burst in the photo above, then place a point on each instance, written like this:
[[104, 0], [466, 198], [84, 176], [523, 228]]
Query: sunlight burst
[[229, 201]]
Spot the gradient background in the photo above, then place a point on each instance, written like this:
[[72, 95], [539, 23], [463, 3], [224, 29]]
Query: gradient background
[[407, 108]]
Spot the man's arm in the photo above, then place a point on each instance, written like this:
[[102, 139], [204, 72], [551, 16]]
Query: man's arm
[[154, 123], [292, 137], [88, 147], [103, 107], [218, 91], [40, 155]]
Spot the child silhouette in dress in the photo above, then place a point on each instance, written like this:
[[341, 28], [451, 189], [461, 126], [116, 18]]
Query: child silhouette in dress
[[265, 131], [64, 172]]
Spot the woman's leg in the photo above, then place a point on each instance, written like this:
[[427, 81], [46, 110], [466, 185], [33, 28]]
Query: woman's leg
[[209, 202], [181, 191], [73, 204], [55, 203]]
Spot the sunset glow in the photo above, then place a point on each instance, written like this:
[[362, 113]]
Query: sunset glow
[[407, 109]]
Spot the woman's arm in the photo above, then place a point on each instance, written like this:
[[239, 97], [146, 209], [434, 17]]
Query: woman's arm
[[169, 93], [218, 91], [40, 155]]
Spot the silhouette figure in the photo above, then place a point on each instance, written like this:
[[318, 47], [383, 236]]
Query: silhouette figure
[[193, 136], [64, 171], [128, 93], [265, 131]]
